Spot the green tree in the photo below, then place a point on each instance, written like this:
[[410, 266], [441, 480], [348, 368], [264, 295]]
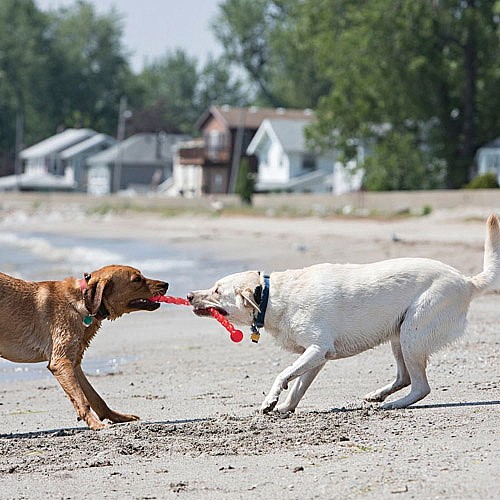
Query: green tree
[[59, 69], [428, 69], [24, 53], [174, 93], [264, 37], [216, 85], [398, 164], [245, 183], [170, 82], [243, 28], [89, 67], [424, 68]]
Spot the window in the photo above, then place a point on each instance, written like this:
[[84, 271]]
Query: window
[[216, 142], [309, 162]]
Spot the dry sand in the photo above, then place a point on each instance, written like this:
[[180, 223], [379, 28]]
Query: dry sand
[[197, 393]]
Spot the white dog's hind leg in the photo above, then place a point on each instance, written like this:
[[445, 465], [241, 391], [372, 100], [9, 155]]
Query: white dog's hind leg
[[300, 386], [401, 381], [311, 358], [419, 384], [437, 318], [415, 353]]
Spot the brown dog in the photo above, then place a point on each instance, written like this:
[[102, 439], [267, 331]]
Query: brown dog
[[55, 321]]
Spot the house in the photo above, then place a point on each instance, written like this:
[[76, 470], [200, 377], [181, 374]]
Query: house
[[488, 158], [187, 177], [226, 133], [42, 164], [139, 163], [74, 158], [285, 163]]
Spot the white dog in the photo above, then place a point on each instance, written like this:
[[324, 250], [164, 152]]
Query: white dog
[[332, 311]]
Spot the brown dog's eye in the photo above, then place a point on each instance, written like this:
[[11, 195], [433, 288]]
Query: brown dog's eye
[[137, 279]]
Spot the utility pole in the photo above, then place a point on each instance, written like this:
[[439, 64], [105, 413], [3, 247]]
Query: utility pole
[[237, 151], [123, 114], [19, 143]]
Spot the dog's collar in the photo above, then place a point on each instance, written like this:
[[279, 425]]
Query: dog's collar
[[102, 312], [261, 298]]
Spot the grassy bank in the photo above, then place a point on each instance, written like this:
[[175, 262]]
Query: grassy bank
[[290, 205]]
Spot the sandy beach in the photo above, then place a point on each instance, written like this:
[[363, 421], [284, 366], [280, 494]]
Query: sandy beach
[[198, 394]]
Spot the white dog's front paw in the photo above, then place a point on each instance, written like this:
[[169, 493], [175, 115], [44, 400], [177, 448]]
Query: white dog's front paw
[[268, 405], [284, 408], [392, 406], [374, 397]]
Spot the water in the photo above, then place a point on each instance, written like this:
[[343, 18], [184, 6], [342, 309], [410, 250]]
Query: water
[[40, 256]]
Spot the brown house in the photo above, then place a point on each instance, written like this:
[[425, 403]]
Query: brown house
[[226, 133]]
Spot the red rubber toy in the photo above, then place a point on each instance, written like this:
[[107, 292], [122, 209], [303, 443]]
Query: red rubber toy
[[236, 335]]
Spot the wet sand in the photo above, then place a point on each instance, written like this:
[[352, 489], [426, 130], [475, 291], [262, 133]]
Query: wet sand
[[197, 393]]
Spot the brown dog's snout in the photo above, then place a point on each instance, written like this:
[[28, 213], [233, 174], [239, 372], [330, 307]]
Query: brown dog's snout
[[159, 286]]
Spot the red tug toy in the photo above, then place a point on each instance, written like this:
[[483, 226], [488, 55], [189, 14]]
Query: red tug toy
[[236, 335]]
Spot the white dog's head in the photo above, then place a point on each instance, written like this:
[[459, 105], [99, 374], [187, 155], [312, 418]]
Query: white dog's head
[[233, 296]]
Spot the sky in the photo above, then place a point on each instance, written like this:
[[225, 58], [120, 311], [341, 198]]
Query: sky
[[153, 27]]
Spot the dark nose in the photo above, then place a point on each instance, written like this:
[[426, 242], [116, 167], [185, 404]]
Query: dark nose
[[190, 296], [165, 286]]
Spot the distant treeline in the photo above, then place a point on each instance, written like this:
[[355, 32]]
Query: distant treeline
[[415, 82]]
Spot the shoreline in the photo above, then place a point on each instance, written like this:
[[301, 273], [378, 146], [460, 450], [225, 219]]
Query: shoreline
[[198, 393]]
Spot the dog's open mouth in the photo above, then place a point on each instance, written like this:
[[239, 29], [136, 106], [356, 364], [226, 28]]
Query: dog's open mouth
[[205, 311], [143, 305]]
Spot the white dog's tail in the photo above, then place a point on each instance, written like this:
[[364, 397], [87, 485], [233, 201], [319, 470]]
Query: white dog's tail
[[489, 279]]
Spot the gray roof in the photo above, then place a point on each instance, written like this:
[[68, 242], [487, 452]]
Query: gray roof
[[82, 146], [290, 133], [57, 143], [145, 148], [301, 182]]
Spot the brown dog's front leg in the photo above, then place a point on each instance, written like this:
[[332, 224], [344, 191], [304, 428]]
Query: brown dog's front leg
[[64, 371], [98, 404]]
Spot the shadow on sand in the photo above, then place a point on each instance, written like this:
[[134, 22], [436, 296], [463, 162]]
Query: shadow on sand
[[72, 431], [417, 407]]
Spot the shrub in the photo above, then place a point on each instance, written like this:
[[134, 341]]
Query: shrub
[[245, 183], [485, 181]]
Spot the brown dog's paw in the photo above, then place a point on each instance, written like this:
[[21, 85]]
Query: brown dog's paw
[[117, 417], [95, 425]]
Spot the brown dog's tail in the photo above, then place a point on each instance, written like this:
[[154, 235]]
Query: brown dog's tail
[[489, 278]]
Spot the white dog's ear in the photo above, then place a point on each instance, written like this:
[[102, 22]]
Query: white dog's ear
[[247, 296]]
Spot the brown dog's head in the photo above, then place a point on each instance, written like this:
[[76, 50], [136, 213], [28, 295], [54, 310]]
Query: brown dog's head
[[116, 290], [233, 296]]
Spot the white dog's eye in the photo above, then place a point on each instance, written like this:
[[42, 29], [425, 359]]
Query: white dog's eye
[[217, 291]]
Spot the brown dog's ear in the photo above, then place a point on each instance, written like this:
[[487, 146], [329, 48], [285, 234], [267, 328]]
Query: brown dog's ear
[[93, 294], [248, 296]]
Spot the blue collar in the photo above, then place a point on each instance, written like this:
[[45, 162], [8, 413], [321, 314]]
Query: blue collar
[[262, 303]]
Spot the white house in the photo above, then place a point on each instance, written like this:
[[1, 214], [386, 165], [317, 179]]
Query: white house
[[43, 165], [74, 158], [187, 176], [44, 157], [285, 163], [488, 158]]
